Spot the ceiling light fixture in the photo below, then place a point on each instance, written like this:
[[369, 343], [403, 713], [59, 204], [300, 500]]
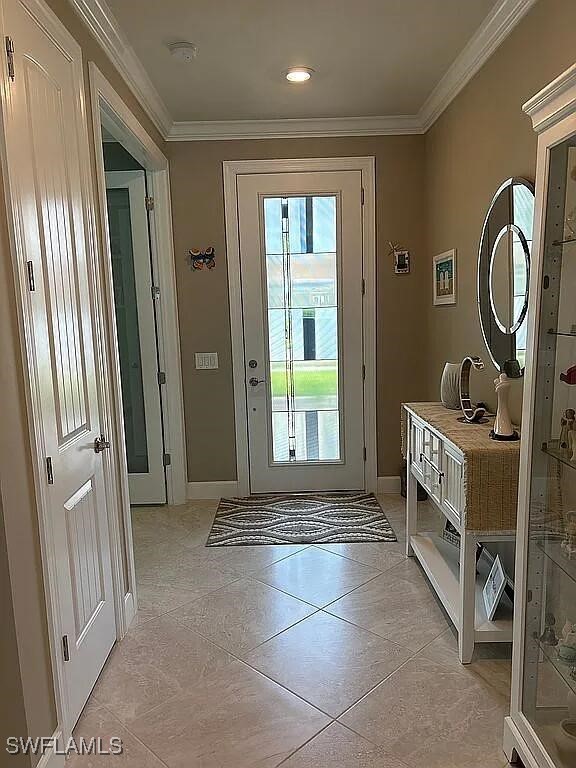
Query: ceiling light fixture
[[299, 74], [183, 51]]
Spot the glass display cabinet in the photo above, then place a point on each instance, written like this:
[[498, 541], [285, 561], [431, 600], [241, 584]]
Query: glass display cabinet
[[541, 729]]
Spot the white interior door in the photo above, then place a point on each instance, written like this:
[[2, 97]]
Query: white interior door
[[136, 333], [47, 158], [301, 262]]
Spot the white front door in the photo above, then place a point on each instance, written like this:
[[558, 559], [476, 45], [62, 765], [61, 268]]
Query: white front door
[[136, 334], [302, 269], [47, 163]]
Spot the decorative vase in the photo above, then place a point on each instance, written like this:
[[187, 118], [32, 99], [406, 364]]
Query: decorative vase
[[503, 427], [565, 739], [450, 386]]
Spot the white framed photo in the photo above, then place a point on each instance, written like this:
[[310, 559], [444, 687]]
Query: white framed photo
[[494, 587], [444, 278]]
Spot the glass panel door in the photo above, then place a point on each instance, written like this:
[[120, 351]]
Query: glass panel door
[[303, 322]]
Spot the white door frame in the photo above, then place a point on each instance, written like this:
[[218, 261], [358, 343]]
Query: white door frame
[[57, 32], [107, 106], [234, 168]]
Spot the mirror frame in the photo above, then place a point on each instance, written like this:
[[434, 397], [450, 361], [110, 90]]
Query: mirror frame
[[492, 329]]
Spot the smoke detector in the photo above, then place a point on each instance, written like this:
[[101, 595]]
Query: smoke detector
[[183, 51]]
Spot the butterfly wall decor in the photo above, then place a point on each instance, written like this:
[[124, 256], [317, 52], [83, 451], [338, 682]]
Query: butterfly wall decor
[[200, 259]]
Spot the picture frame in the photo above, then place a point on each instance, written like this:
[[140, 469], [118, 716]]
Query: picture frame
[[444, 278], [494, 588]]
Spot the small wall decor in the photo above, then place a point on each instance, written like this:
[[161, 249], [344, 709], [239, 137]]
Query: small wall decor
[[444, 278], [401, 259], [200, 259]]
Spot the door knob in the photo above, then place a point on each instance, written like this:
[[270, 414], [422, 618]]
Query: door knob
[[101, 444], [253, 381]]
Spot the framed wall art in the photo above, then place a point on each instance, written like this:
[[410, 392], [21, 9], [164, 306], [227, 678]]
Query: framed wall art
[[444, 278]]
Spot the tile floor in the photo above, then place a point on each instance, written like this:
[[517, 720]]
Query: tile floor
[[332, 656]]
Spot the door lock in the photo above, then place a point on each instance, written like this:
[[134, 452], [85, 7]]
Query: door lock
[[253, 381], [253, 363], [101, 444]]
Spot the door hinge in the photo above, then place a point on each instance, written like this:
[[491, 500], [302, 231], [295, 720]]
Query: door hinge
[[363, 287], [10, 57], [363, 373], [149, 201], [30, 271], [167, 459], [161, 377], [65, 649], [49, 470], [362, 196], [155, 291], [365, 453]]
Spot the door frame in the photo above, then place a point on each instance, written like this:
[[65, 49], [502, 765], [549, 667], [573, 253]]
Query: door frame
[[54, 29], [234, 168], [107, 105]]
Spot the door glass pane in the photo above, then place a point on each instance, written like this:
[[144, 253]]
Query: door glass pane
[[303, 327], [126, 307]]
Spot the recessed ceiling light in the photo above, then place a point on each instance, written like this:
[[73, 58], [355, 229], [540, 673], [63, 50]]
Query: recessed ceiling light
[[299, 74], [183, 51]]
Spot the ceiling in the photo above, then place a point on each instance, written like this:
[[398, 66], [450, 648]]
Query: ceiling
[[371, 57]]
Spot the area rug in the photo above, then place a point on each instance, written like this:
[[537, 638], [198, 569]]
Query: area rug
[[303, 518]]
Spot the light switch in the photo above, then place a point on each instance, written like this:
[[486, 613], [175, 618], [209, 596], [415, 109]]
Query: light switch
[[206, 361]]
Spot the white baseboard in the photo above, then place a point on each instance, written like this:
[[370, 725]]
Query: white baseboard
[[52, 759], [390, 484], [213, 490]]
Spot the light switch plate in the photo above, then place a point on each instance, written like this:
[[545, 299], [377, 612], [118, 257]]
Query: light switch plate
[[206, 361]]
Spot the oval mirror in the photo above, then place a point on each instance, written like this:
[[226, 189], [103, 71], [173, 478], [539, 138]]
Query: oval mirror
[[503, 274]]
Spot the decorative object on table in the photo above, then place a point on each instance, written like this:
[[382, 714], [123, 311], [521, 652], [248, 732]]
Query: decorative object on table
[[471, 413], [401, 260], [567, 643], [568, 543], [503, 428], [570, 376], [565, 738], [572, 445], [567, 423], [450, 386], [549, 636], [444, 278], [494, 587], [200, 259], [503, 275]]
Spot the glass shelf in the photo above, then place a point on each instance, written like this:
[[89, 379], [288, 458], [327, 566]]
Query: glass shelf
[[551, 448], [566, 670], [551, 548], [567, 241], [552, 332]]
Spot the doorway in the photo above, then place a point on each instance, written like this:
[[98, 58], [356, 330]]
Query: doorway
[[300, 271], [135, 312]]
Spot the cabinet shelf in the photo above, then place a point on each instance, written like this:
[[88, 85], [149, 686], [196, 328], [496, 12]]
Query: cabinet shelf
[[552, 332], [567, 241], [551, 448], [551, 548], [566, 670]]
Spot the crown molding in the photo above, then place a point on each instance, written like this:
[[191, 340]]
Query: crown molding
[[222, 130], [553, 102], [496, 27], [491, 34], [103, 25]]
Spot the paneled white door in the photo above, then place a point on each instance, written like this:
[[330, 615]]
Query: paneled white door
[[136, 334], [47, 162], [301, 256]]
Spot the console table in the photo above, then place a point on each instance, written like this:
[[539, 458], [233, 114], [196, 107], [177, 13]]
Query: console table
[[473, 481]]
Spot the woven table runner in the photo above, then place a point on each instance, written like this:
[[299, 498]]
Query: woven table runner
[[490, 466]]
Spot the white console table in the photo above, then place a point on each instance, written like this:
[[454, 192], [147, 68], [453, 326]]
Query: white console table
[[473, 481]]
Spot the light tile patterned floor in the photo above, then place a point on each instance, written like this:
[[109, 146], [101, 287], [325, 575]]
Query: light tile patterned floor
[[306, 657]]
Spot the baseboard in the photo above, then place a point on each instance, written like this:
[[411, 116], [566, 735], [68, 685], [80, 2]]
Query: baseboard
[[51, 758], [390, 484], [213, 490]]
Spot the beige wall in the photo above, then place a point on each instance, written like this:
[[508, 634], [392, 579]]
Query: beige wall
[[482, 139], [196, 171]]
